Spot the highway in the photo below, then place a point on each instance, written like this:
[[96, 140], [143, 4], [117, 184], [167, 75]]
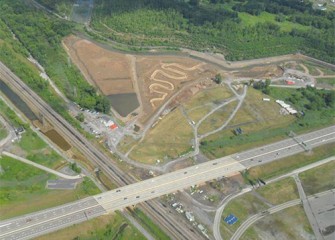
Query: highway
[[32, 225], [177, 229], [51, 219]]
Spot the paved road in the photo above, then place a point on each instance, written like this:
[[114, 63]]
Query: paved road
[[219, 211], [308, 210], [239, 232], [177, 229], [26, 161], [214, 169], [145, 190]]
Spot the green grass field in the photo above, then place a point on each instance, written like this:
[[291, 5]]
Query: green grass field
[[111, 226], [288, 164], [319, 179], [286, 26], [259, 120], [280, 191], [328, 81], [3, 131], [217, 119], [23, 192], [167, 140]]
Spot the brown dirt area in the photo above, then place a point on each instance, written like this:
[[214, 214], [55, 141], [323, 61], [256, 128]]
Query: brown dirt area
[[109, 71], [261, 72], [161, 76]]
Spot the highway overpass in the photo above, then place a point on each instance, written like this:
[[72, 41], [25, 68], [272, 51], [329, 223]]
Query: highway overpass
[[35, 224]]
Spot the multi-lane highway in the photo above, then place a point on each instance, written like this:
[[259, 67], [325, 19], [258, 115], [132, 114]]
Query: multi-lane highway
[[42, 222], [177, 229], [31, 225]]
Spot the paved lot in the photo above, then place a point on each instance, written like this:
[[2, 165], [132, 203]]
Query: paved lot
[[323, 209], [62, 184]]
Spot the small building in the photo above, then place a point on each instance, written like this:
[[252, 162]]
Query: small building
[[266, 99], [289, 82], [189, 216]]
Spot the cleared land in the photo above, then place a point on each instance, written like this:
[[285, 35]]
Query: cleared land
[[128, 78], [258, 120], [288, 164], [23, 192], [110, 71], [161, 76], [111, 226], [319, 179], [280, 191], [170, 138], [290, 223]]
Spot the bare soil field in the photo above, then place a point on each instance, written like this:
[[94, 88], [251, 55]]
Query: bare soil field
[[107, 70], [159, 77]]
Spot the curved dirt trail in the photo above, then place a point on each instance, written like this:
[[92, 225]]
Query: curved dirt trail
[[173, 73]]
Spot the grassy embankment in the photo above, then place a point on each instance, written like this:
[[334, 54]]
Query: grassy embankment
[[319, 179], [24, 191], [288, 164], [112, 226], [149, 225], [169, 139]]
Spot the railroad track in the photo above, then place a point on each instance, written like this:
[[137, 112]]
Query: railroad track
[[175, 228]]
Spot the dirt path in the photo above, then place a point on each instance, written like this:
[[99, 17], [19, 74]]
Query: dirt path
[[170, 70], [305, 68], [133, 72]]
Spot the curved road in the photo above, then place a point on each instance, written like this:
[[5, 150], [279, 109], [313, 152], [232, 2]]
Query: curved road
[[239, 232]]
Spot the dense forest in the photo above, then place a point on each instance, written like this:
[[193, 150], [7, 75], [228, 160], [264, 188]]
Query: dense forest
[[41, 36], [241, 29]]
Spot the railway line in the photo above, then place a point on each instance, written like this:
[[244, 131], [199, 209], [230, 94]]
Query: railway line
[[175, 228]]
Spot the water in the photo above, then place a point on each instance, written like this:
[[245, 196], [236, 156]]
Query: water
[[17, 101], [124, 103]]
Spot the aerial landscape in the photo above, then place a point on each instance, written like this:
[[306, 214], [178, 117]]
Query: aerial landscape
[[167, 119]]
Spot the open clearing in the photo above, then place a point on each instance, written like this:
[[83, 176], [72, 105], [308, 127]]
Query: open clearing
[[290, 223], [319, 179], [256, 118], [279, 191], [168, 139], [111, 226], [217, 119]]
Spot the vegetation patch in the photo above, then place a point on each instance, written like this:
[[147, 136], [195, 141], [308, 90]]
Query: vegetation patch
[[319, 179], [259, 121], [148, 224], [170, 138], [112, 226], [239, 29], [280, 191], [23, 192], [217, 119]]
